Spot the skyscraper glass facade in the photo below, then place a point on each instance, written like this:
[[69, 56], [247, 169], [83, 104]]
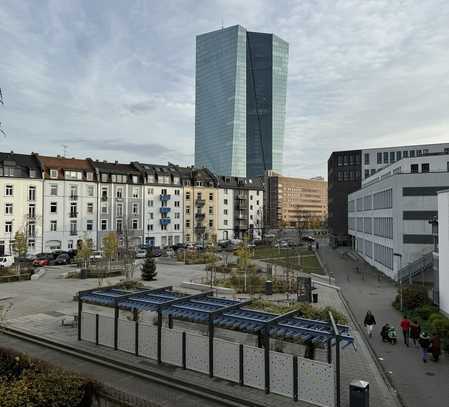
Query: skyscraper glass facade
[[241, 77]]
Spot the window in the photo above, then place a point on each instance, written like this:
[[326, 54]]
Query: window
[[187, 223], [226, 191], [151, 215], [90, 207], [135, 224], [89, 225], [104, 177], [366, 160], [225, 212], [31, 211], [366, 173], [405, 153], [135, 179], [70, 244], [53, 226], [31, 244], [211, 223], [9, 191], [33, 173], [379, 158], [163, 227], [149, 227], [150, 203], [53, 189], [251, 207], [31, 229], [8, 209], [373, 171], [150, 191], [53, 173], [251, 197], [90, 190], [425, 167], [176, 226], [176, 191], [398, 155], [104, 224], [187, 209], [211, 210], [104, 194], [73, 210], [135, 192], [119, 193], [119, 225], [412, 153], [419, 153], [53, 207], [73, 228], [73, 175], [225, 202], [73, 192], [177, 204], [392, 156], [104, 209], [8, 227], [187, 195], [135, 208], [211, 196], [386, 157], [225, 222], [119, 209], [89, 176], [32, 193], [414, 168]]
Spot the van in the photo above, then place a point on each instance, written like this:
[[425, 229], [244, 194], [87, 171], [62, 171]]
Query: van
[[6, 261]]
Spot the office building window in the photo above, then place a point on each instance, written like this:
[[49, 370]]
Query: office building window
[[187, 195], [151, 215], [31, 211], [412, 153], [386, 158], [366, 159], [379, 158], [225, 201], [414, 168], [366, 173], [225, 212], [398, 155], [119, 193], [392, 156], [425, 167], [53, 226], [135, 192], [32, 193], [176, 191], [187, 209], [135, 209], [177, 215], [177, 226]]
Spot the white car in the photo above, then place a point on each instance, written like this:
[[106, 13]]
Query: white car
[[96, 256], [6, 261], [141, 254]]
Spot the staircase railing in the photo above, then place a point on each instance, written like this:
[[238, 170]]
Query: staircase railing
[[415, 268]]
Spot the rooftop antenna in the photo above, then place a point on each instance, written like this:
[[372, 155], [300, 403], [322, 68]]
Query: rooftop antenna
[[64, 146], [222, 26]]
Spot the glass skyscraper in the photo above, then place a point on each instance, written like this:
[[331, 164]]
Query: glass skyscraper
[[241, 88]]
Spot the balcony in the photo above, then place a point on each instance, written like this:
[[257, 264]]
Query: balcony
[[165, 221], [200, 202], [104, 198], [200, 216], [242, 216], [73, 232], [73, 214], [241, 197], [165, 197], [200, 229], [73, 197], [165, 209]]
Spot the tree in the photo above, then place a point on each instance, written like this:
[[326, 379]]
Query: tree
[[20, 244], [110, 247], [149, 267], [243, 252], [84, 252]]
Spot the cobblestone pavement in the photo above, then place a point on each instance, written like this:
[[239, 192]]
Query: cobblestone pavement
[[418, 384]]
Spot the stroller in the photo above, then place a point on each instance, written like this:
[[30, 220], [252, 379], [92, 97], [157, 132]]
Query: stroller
[[389, 334]]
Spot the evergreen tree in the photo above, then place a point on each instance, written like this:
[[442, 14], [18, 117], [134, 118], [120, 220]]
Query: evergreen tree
[[149, 268]]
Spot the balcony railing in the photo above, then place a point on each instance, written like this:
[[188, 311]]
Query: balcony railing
[[200, 229], [104, 198], [73, 232], [73, 214], [165, 209], [200, 216], [165, 221], [73, 197], [200, 202], [165, 197]]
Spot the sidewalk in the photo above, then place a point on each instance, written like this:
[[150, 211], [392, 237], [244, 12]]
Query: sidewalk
[[418, 384]]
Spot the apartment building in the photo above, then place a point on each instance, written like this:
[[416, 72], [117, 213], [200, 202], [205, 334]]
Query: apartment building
[[240, 207], [163, 204], [120, 202], [292, 201], [347, 170], [20, 201], [69, 202], [388, 218]]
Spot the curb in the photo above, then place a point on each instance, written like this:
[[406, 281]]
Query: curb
[[396, 396]]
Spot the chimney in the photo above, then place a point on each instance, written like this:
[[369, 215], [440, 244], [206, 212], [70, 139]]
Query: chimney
[[116, 162]]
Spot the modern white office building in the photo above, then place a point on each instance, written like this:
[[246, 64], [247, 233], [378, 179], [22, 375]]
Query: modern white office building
[[442, 254], [388, 218]]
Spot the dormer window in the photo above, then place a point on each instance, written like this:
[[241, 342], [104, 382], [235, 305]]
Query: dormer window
[[53, 173], [150, 179], [90, 176], [73, 175], [104, 177], [33, 173], [135, 179]]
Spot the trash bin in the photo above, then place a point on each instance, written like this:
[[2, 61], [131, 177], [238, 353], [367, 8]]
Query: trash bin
[[83, 274], [268, 287], [314, 298], [359, 393]]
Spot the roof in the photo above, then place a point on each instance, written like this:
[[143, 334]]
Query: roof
[[240, 182], [59, 162], [221, 312], [115, 167], [24, 161]]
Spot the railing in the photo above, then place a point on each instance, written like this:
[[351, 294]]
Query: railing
[[200, 229], [200, 216], [411, 270], [165, 221], [73, 214], [73, 232], [73, 197], [165, 197], [104, 198], [200, 202], [165, 209]]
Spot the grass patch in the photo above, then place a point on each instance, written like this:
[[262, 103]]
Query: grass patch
[[309, 263]]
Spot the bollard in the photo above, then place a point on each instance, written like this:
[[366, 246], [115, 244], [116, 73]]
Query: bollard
[[359, 394]]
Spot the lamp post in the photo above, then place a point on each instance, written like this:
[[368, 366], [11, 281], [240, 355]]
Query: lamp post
[[400, 281]]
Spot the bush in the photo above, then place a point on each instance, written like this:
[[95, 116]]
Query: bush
[[426, 311], [413, 296], [440, 326]]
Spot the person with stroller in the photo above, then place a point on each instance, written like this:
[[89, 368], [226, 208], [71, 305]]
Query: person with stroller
[[388, 334], [424, 341]]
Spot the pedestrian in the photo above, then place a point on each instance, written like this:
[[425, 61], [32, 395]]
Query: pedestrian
[[424, 341], [384, 332], [435, 347], [405, 326], [415, 330], [369, 323]]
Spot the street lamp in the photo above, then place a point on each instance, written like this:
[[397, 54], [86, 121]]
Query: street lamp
[[400, 281]]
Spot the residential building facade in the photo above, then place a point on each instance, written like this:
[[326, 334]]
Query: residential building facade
[[69, 203], [20, 202], [241, 88], [388, 218], [347, 170], [294, 202]]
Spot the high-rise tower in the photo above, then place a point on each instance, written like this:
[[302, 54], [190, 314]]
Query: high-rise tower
[[241, 87]]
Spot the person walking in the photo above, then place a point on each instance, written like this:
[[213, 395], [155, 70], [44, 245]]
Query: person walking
[[415, 330], [369, 323], [424, 341], [435, 347], [405, 326]]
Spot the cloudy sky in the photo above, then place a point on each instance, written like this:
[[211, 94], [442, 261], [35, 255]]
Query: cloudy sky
[[114, 79]]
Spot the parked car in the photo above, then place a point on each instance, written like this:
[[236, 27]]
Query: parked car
[[281, 244], [157, 252], [169, 252], [308, 238], [63, 258], [141, 254], [96, 256], [6, 261], [178, 246], [43, 259]]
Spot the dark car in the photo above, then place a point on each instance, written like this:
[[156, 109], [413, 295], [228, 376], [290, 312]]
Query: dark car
[[178, 246], [63, 258], [309, 239], [157, 252]]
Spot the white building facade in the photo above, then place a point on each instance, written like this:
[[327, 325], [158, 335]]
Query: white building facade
[[442, 255], [388, 218]]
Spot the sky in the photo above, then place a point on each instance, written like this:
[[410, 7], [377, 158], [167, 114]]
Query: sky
[[115, 80]]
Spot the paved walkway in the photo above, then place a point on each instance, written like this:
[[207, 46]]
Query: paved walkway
[[418, 384]]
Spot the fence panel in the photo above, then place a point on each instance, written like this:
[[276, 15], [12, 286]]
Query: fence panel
[[172, 346], [148, 341], [126, 335], [106, 331], [226, 360], [88, 329], [316, 382], [197, 353], [281, 373], [253, 367]]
